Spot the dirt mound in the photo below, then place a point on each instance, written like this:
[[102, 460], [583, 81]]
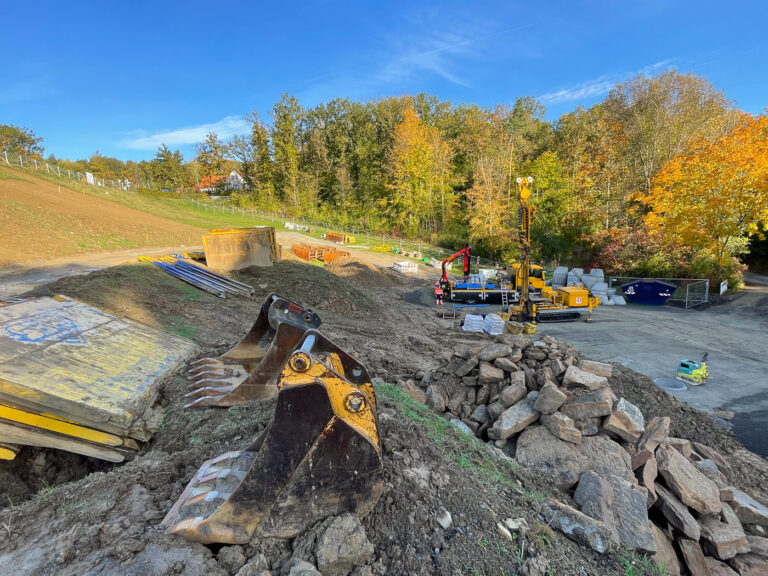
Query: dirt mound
[[312, 286], [359, 271]]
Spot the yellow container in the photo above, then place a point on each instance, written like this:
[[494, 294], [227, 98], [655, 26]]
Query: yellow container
[[574, 296]]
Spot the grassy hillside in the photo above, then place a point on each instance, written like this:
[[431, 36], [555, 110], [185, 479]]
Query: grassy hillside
[[40, 219]]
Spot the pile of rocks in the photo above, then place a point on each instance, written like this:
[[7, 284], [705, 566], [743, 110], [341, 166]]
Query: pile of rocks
[[634, 485]]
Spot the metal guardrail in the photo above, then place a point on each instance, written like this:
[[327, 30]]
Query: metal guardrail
[[690, 291]]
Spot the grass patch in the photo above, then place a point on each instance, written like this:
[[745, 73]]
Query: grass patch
[[464, 450], [641, 565], [178, 325], [9, 176]]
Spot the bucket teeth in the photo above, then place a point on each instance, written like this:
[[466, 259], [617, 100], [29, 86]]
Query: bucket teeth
[[319, 457], [238, 375]]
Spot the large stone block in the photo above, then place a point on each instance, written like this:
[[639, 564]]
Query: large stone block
[[665, 556], [589, 405], [550, 399], [489, 373], [723, 537], [505, 364], [561, 426], [515, 391], [718, 568], [606, 457], [748, 510], [596, 368], [493, 351], [540, 451], [579, 527], [436, 398], [677, 513], [656, 431], [620, 505], [626, 421], [715, 456], [577, 377], [515, 418], [690, 485], [693, 557], [467, 366], [647, 477]]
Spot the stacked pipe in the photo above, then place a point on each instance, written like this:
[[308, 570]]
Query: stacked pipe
[[201, 278]]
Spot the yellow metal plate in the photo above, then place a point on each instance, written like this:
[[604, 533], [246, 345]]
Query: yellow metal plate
[[74, 362]]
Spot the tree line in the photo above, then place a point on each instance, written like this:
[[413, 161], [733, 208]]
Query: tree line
[[663, 177]]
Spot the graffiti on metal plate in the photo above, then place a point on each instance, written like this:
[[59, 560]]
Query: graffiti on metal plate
[[41, 329]]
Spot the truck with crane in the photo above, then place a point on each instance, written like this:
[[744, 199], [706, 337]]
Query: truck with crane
[[521, 289]]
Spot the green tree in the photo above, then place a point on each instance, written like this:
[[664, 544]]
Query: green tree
[[167, 168], [286, 118]]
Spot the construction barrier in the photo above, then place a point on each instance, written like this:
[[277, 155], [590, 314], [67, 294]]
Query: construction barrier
[[339, 238], [310, 252]]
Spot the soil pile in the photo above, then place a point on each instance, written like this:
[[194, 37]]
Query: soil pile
[[360, 272], [312, 286]]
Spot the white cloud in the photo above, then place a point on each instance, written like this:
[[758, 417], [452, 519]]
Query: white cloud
[[595, 87], [598, 86], [225, 128], [433, 55]]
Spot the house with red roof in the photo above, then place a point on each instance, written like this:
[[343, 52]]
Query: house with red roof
[[220, 183]]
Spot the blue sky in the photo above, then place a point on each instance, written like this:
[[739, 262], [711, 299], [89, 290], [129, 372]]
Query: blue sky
[[122, 77]]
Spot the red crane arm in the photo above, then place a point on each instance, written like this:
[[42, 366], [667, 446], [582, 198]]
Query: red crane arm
[[463, 252]]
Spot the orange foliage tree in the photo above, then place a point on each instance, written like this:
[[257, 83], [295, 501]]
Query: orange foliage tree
[[710, 200]]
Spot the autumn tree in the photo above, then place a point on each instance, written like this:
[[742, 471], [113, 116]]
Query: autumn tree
[[16, 140], [212, 156], [418, 174], [712, 198]]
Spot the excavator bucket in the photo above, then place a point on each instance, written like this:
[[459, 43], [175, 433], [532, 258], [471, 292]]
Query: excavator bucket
[[248, 371], [320, 456]]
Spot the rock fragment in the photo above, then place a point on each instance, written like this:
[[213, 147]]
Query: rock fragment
[[579, 527], [576, 377], [691, 486]]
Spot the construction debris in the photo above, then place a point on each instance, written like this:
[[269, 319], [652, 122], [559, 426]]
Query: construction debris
[[77, 378], [200, 277]]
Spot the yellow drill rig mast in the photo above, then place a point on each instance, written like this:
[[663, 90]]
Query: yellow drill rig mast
[[525, 214], [562, 305]]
